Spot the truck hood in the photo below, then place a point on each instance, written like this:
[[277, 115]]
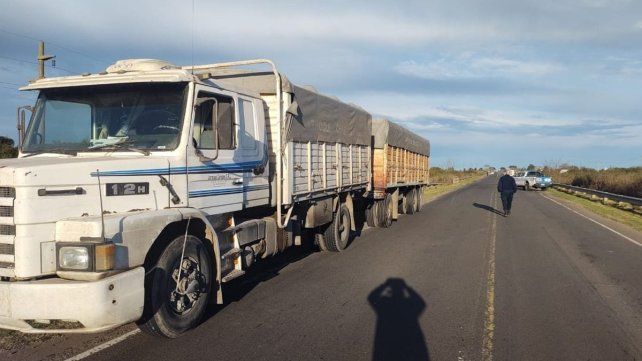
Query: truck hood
[[63, 173]]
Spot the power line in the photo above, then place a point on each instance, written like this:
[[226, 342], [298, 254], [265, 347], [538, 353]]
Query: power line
[[33, 62], [6, 82], [56, 45]]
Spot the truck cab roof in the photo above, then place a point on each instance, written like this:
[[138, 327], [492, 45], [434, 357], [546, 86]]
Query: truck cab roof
[[135, 71]]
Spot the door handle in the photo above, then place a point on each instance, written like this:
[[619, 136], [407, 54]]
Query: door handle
[[238, 181]]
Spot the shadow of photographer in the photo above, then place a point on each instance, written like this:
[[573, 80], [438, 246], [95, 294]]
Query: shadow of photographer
[[398, 335]]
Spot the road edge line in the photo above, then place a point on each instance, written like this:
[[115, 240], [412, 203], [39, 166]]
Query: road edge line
[[103, 346], [489, 319], [594, 221]]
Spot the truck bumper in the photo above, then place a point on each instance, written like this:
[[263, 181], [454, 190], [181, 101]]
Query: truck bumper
[[89, 306]]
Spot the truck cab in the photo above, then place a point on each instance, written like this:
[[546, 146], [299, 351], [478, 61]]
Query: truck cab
[[113, 169]]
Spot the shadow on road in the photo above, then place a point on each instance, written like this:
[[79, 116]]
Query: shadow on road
[[488, 208], [398, 335], [261, 272], [267, 269]]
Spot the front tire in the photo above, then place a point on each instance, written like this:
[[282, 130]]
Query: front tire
[[527, 187], [178, 290]]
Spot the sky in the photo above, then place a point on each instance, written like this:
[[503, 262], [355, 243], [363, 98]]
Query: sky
[[497, 82]]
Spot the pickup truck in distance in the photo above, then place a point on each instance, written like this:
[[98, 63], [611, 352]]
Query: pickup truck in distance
[[533, 179]]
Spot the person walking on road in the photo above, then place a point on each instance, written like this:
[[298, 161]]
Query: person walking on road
[[506, 188]]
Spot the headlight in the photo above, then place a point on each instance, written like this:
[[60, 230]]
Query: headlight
[[81, 256], [76, 258]]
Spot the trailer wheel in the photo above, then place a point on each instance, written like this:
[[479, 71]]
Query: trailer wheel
[[336, 236], [386, 211], [419, 199], [319, 241], [410, 201], [174, 305], [371, 215]]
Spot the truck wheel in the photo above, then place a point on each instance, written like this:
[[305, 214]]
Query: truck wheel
[[371, 215], [410, 201], [175, 305], [336, 236], [419, 199], [527, 187], [386, 211]]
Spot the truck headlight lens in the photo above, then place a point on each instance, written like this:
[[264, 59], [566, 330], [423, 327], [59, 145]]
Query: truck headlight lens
[[73, 258], [86, 256]]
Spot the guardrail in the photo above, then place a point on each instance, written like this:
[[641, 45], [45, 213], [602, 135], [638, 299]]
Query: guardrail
[[606, 196]]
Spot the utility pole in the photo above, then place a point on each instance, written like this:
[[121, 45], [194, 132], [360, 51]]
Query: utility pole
[[41, 60]]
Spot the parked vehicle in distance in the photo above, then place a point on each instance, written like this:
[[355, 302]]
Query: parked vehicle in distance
[[533, 179], [140, 190]]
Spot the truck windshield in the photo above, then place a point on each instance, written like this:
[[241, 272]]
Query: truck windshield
[[93, 118]]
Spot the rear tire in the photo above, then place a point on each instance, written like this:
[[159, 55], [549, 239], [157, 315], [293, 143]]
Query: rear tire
[[336, 236], [386, 211], [171, 310], [527, 187], [419, 199], [411, 198], [371, 215]]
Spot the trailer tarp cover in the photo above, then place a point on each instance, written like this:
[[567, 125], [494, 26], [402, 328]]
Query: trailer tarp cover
[[312, 117], [387, 132], [316, 117]]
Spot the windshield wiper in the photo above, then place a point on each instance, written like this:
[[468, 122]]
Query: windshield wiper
[[124, 144], [53, 150]]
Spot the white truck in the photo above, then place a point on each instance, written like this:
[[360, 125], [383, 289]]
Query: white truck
[[139, 190]]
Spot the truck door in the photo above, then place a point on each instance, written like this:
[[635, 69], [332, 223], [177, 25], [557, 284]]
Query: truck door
[[252, 150], [214, 162]]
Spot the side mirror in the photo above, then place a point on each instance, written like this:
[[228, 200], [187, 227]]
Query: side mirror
[[22, 123], [214, 123]]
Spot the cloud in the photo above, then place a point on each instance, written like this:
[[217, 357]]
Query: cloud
[[559, 74], [470, 66]]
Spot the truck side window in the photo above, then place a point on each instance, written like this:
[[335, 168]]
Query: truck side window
[[203, 132]]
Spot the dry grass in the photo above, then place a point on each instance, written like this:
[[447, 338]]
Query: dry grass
[[624, 181], [433, 192], [441, 175], [629, 218]]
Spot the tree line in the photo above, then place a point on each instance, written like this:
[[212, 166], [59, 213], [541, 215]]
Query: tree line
[[8, 148]]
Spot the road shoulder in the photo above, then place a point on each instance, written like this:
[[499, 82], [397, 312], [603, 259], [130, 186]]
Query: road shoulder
[[609, 219]]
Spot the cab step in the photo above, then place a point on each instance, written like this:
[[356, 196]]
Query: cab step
[[233, 274], [231, 252]]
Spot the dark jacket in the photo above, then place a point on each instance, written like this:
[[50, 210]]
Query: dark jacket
[[506, 184]]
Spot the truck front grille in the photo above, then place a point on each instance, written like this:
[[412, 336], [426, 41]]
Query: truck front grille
[[8, 265], [7, 192], [7, 230], [6, 248], [6, 211]]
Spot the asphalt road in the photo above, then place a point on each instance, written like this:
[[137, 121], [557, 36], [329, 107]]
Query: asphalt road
[[454, 282]]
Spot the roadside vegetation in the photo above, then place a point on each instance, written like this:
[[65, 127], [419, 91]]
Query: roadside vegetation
[[450, 175], [448, 180], [7, 148], [629, 218], [623, 181]]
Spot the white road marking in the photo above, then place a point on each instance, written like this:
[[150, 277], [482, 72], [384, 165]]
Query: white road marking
[[596, 222], [489, 320], [103, 346]]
